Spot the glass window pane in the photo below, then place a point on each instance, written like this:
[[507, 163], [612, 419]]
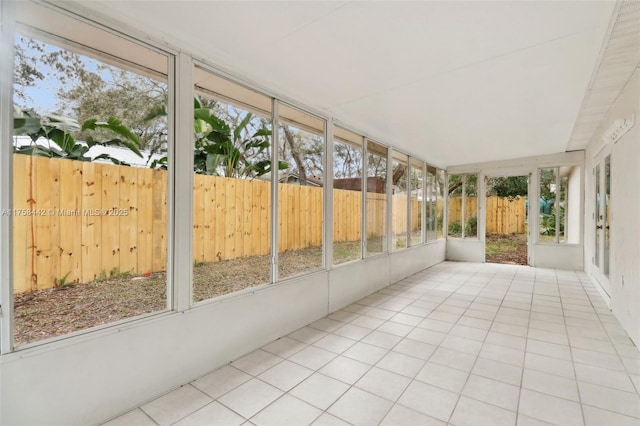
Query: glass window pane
[[300, 192], [463, 206], [90, 178], [607, 215], [547, 185], [440, 182], [562, 208], [232, 189], [376, 198], [416, 202], [471, 206], [347, 196], [431, 204], [400, 171], [598, 222], [454, 211]]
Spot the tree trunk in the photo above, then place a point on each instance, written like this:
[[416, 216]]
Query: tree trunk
[[302, 172]]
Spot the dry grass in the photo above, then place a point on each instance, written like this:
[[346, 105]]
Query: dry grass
[[54, 312], [509, 248]]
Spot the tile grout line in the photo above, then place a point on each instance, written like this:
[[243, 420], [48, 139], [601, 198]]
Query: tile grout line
[[478, 355]]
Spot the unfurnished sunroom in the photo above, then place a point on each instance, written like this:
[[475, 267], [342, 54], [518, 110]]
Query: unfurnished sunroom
[[315, 190]]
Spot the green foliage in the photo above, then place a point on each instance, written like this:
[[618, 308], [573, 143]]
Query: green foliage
[[59, 130], [548, 223], [116, 273], [401, 242], [455, 229], [547, 179], [223, 150], [509, 187], [102, 276], [62, 282], [470, 228], [470, 184]]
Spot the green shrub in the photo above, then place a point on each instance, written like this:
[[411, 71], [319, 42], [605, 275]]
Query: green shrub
[[455, 229], [470, 228]]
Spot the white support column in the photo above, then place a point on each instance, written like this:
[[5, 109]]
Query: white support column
[[481, 215], [180, 215], [556, 203], [328, 196], [6, 171], [275, 132], [426, 190], [363, 193], [389, 190], [464, 206], [408, 189], [445, 206]]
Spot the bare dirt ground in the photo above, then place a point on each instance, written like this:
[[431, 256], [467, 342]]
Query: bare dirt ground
[[56, 311], [509, 248]]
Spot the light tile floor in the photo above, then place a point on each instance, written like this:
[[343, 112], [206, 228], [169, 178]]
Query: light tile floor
[[458, 343]]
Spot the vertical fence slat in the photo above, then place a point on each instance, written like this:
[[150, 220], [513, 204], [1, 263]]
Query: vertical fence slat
[[265, 218], [128, 218], [246, 212], [198, 217], [54, 213], [159, 224], [220, 224], [22, 225], [91, 225], [255, 243], [338, 226], [293, 217], [110, 225], [70, 219], [44, 266], [238, 206], [145, 220], [230, 219], [282, 213], [210, 211]]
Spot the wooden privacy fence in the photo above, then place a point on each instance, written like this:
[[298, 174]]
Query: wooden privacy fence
[[78, 220], [503, 216]]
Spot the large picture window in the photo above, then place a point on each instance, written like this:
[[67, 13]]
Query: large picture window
[[559, 204], [432, 213], [347, 195], [376, 220], [301, 148], [463, 206], [440, 197], [400, 200], [231, 188], [416, 202], [90, 192]]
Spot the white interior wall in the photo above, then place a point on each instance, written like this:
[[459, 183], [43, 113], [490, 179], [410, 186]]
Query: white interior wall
[[574, 206], [467, 249], [624, 274]]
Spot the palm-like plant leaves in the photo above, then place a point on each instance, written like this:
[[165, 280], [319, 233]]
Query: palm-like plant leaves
[[59, 129]]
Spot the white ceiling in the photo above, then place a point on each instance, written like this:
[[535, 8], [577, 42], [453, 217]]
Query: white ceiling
[[451, 82]]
